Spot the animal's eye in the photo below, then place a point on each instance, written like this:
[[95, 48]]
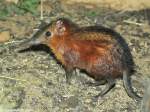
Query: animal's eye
[[48, 33]]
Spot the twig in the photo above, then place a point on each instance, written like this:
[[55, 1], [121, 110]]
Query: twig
[[41, 10], [11, 42], [132, 22], [15, 79], [10, 78]]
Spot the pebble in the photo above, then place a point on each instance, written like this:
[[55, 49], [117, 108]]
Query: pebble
[[4, 36]]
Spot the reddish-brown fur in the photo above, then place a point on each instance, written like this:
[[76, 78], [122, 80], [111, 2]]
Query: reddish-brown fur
[[101, 52], [91, 51]]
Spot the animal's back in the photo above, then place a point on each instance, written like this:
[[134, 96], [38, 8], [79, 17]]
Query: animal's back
[[97, 51]]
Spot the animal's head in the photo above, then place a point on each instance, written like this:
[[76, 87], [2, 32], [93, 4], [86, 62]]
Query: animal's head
[[60, 28]]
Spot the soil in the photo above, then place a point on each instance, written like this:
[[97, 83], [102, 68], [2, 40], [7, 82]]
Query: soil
[[33, 81], [115, 4]]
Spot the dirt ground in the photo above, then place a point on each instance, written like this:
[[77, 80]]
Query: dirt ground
[[33, 81], [115, 4]]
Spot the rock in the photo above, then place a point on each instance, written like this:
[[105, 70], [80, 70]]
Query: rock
[[4, 36]]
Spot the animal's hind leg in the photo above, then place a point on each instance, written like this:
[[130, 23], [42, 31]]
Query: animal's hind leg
[[97, 83], [109, 86]]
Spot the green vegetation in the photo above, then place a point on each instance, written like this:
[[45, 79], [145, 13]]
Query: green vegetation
[[91, 13], [29, 5], [23, 6]]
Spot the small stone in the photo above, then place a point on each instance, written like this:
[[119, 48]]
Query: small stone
[[4, 36]]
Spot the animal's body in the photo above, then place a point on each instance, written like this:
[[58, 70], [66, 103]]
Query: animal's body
[[101, 52]]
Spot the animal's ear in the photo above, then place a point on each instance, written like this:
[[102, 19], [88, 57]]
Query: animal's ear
[[61, 26]]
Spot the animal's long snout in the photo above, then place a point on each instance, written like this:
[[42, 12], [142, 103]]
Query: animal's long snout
[[37, 38], [31, 42], [28, 43]]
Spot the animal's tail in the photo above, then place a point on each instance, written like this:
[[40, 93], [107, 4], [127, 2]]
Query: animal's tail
[[128, 87]]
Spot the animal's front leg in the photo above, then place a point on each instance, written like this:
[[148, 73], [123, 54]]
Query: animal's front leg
[[69, 73], [70, 58]]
